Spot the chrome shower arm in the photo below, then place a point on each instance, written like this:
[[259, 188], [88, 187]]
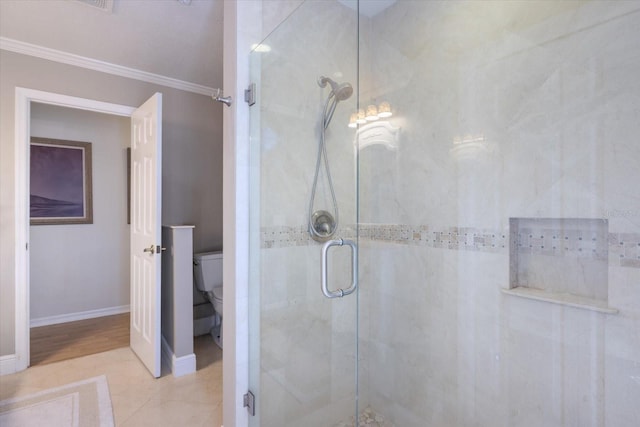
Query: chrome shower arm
[[217, 96]]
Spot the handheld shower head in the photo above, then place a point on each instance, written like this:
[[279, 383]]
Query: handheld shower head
[[340, 91], [322, 224]]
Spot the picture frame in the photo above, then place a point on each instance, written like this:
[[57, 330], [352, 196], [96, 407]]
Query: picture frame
[[60, 182]]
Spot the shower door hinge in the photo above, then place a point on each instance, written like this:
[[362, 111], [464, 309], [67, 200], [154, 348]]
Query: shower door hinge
[[250, 403], [250, 94]]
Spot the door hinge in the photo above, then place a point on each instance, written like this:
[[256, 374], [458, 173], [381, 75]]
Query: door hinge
[[250, 94], [250, 403]]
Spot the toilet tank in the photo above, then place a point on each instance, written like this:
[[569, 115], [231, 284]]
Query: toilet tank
[[207, 270]]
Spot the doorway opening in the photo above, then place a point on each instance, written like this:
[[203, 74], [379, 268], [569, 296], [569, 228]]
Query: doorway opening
[[79, 272]]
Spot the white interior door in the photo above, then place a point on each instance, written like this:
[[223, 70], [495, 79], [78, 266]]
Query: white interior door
[[146, 185]]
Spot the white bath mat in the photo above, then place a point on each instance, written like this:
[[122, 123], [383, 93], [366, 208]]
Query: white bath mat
[[83, 403]]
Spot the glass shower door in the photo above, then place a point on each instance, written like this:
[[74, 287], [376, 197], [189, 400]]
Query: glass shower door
[[303, 345], [494, 204]]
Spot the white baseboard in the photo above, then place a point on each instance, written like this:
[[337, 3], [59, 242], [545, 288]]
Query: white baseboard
[[7, 364], [83, 315], [184, 365], [180, 366]]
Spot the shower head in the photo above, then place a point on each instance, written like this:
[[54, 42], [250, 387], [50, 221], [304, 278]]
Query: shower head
[[340, 91]]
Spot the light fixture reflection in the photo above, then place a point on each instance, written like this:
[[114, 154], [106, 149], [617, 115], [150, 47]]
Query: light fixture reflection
[[353, 120], [372, 113], [384, 110]]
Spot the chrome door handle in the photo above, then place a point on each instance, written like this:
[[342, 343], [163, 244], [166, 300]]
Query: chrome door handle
[[338, 293], [151, 249]]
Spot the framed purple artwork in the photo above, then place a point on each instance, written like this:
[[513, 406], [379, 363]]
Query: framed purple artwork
[[60, 182]]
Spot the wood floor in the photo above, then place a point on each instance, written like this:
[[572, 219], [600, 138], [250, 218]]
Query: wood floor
[[74, 339]]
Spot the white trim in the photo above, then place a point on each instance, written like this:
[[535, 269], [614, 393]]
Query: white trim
[[102, 66], [180, 366], [183, 365], [7, 364], [23, 99], [242, 28], [82, 315], [67, 101], [21, 228]]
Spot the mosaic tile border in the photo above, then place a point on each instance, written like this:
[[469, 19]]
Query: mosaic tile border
[[579, 238], [623, 247], [626, 248], [282, 236], [456, 238]]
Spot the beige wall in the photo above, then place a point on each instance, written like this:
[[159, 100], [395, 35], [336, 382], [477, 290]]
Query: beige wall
[[192, 155]]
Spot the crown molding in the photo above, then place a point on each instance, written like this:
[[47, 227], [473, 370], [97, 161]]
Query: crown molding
[[102, 66]]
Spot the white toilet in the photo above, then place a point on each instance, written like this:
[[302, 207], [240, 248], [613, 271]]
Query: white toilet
[[207, 273]]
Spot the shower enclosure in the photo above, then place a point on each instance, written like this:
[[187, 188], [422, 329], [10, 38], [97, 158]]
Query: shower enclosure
[[487, 169]]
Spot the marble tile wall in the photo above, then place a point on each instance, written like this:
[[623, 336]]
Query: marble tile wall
[[547, 93]]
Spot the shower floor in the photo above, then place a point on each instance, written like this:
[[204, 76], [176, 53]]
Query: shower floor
[[367, 418]]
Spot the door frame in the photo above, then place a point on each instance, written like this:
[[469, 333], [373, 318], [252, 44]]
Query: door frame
[[22, 133]]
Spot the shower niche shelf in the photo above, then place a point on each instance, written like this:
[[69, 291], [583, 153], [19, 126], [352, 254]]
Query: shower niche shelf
[[561, 261]]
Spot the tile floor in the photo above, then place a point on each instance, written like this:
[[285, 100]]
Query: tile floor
[[138, 399]]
